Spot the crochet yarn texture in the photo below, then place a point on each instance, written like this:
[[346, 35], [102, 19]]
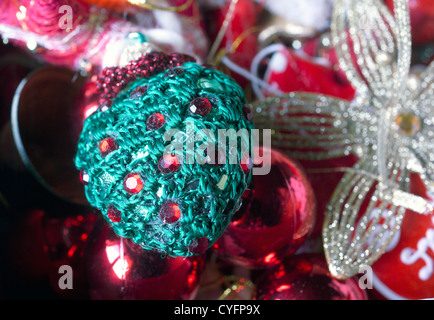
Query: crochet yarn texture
[[141, 182]]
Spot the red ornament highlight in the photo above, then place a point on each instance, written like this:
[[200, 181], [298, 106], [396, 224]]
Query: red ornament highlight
[[276, 216], [118, 269]]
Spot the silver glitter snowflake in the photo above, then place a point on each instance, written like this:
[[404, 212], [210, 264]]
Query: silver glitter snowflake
[[389, 126]]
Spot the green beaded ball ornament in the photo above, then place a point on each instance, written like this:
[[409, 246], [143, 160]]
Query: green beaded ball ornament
[[146, 156]]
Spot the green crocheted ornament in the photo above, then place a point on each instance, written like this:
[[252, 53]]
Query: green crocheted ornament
[[147, 187]]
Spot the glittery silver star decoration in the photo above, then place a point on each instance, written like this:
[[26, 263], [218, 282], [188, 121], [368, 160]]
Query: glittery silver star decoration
[[389, 126]]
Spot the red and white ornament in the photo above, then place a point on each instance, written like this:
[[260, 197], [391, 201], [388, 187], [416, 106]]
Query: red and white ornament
[[406, 270], [290, 71]]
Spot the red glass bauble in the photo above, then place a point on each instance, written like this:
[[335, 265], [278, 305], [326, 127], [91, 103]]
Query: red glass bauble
[[406, 269], [275, 218], [118, 269], [114, 214], [305, 277]]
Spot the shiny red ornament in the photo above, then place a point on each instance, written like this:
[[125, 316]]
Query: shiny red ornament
[[406, 269], [305, 277], [16, 65], [118, 269], [200, 106], [107, 145], [155, 121], [168, 163], [114, 214], [133, 183], [170, 213], [275, 218]]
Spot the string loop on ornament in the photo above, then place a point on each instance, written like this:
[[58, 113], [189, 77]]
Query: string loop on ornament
[[255, 80]]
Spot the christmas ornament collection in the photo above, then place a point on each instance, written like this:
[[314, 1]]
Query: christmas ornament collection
[[111, 164]]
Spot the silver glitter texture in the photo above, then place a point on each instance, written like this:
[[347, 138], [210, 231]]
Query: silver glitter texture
[[389, 126]]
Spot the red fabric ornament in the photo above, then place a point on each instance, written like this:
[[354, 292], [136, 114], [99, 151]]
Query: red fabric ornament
[[406, 270], [290, 72], [276, 216], [119, 269], [305, 277]]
